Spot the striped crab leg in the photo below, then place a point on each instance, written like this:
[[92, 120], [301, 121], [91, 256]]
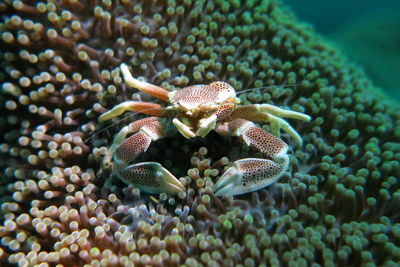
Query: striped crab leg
[[251, 174], [148, 88], [136, 106]]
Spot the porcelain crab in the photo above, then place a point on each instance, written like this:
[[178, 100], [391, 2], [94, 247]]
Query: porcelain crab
[[194, 111]]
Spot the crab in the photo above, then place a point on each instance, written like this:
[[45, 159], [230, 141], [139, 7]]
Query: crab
[[194, 111]]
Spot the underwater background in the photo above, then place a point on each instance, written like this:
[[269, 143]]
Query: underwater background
[[338, 203], [366, 31]]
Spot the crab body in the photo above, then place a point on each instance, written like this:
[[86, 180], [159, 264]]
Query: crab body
[[194, 111]]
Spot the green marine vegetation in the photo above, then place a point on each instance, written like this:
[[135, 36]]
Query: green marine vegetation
[[337, 203]]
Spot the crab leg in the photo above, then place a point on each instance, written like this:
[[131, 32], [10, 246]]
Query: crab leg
[[133, 127], [272, 114], [143, 86], [284, 113], [251, 174], [137, 106], [150, 177]]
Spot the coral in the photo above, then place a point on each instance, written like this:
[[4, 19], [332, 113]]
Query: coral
[[337, 204]]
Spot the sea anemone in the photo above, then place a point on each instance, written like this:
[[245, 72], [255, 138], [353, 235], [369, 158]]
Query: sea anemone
[[337, 204]]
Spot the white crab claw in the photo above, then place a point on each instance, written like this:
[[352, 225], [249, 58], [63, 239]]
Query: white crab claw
[[183, 129], [229, 182], [206, 126]]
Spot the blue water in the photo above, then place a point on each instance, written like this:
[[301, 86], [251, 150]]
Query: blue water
[[366, 31]]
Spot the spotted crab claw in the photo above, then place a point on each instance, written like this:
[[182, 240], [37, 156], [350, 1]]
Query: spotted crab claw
[[151, 177], [251, 174]]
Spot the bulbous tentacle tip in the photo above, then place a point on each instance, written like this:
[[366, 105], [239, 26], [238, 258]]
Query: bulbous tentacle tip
[[248, 175], [151, 177]]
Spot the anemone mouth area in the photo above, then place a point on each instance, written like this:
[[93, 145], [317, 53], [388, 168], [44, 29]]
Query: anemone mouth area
[[175, 152]]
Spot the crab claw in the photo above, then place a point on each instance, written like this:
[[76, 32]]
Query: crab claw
[[249, 175], [151, 177]]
